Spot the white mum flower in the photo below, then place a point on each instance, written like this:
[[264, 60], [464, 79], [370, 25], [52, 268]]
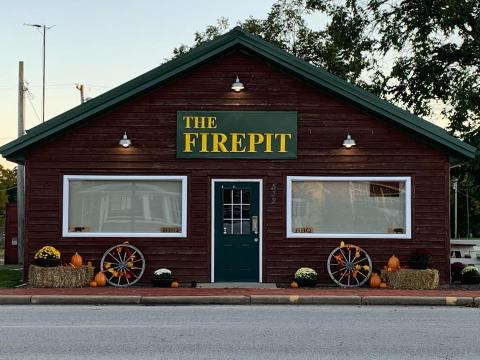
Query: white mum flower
[[162, 271]]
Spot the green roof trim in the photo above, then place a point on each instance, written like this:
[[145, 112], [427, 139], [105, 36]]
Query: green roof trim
[[236, 38]]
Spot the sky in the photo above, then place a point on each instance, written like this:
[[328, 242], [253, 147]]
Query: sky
[[100, 43]]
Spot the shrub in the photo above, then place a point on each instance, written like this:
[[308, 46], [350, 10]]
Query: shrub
[[470, 275], [420, 259], [456, 271]]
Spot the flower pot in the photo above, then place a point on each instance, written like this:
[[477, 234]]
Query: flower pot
[[306, 282], [161, 282], [47, 262]]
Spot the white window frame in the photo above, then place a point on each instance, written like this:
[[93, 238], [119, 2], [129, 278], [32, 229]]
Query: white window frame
[[66, 197], [408, 207]]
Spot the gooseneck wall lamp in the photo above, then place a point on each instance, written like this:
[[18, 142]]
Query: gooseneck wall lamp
[[348, 142], [237, 85], [125, 141]]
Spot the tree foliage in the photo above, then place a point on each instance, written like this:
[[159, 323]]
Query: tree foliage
[[420, 54], [8, 181]]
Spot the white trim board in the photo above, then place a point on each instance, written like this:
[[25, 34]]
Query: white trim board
[[66, 189], [408, 207], [260, 223]]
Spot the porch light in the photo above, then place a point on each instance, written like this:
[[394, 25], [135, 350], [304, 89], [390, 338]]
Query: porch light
[[349, 142], [237, 85], [125, 141]]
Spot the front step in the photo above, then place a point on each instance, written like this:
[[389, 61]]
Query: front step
[[237, 285]]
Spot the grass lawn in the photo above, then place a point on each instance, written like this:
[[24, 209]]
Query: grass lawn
[[10, 276]]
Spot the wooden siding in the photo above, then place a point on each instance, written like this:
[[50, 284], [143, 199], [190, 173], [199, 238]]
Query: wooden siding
[[323, 121]]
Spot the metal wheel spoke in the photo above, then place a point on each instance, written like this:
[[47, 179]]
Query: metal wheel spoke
[[343, 255], [336, 267], [117, 260], [359, 261], [338, 271], [343, 275], [123, 254], [362, 274]]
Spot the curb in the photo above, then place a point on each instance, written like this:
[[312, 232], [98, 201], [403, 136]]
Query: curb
[[195, 300], [304, 300], [84, 300], [15, 299], [238, 300], [417, 300]]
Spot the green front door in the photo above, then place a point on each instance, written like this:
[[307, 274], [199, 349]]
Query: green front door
[[236, 231]]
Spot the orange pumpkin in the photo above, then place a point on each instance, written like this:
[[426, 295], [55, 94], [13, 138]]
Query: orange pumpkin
[[294, 285], [93, 284], [383, 285], [393, 262], [375, 280], [390, 269], [77, 260], [101, 279], [174, 284]]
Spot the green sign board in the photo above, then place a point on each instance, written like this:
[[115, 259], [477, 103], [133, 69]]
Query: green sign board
[[237, 134]]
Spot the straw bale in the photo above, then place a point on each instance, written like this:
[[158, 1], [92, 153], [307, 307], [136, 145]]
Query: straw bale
[[60, 276], [411, 279]]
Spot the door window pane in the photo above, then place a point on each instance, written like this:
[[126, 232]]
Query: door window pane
[[236, 215]]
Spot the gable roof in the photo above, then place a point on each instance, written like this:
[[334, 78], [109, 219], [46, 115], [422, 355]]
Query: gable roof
[[236, 38]]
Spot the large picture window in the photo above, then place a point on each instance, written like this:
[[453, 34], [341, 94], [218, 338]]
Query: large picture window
[[127, 206], [349, 207]]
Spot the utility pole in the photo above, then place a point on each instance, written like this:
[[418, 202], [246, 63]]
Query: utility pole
[[20, 168], [81, 88], [44, 33]]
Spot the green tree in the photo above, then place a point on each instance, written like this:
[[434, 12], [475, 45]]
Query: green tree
[[8, 180], [415, 53], [341, 47]]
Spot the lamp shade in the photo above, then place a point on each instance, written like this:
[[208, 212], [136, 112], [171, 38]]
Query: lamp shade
[[125, 141], [349, 142], [237, 85]]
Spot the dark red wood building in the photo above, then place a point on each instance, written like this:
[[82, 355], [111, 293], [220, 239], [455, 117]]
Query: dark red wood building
[[245, 185]]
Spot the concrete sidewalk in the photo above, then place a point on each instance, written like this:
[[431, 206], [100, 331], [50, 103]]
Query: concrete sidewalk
[[189, 296]]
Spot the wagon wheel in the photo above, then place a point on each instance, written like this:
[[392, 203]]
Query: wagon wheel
[[123, 265], [349, 266]]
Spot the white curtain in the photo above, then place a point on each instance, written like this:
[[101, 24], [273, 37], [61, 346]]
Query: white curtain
[[348, 207], [138, 206]]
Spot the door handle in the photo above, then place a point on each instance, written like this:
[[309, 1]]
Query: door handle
[[255, 240], [255, 224]]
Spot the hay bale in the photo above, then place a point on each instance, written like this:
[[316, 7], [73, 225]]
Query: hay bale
[[410, 279], [60, 276]]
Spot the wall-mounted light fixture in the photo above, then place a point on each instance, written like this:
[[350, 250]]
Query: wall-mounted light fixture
[[349, 142], [125, 141], [237, 85]]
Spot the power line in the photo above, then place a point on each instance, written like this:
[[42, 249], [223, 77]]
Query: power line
[[29, 97]]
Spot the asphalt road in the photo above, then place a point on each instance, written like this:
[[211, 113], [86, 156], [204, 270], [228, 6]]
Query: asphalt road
[[238, 332]]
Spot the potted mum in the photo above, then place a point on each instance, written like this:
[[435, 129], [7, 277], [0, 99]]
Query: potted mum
[[470, 275], [47, 256], [306, 277], [162, 278]]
